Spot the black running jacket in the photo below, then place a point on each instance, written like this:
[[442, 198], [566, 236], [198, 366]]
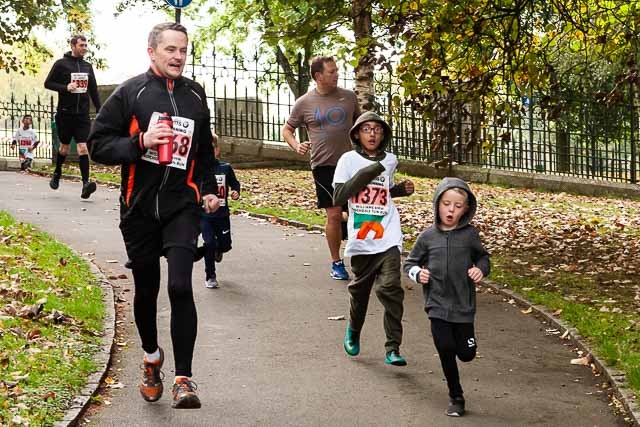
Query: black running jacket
[[116, 139], [60, 76]]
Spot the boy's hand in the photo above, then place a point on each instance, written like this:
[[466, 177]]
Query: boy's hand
[[423, 276], [235, 195], [409, 187], [210, 203], [475, 274]]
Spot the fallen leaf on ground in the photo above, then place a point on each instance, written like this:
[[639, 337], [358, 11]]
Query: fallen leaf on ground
[[335, 318], [585, 360], [527, 311]]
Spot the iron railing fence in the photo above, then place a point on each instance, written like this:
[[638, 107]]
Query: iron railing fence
[[250, 98], [11, 112]]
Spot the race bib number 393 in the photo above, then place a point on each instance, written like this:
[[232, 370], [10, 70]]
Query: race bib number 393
[[373, 199], [182, 141]]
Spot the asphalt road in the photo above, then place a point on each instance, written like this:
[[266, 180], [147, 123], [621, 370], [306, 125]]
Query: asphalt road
[[267, 355]]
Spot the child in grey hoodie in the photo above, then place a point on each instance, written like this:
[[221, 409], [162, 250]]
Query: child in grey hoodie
[[448, 260]]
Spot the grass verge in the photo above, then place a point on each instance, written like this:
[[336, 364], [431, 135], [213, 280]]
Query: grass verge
[[613, 336], [50, 325]]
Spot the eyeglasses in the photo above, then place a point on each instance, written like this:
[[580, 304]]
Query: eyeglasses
[[367, 129]]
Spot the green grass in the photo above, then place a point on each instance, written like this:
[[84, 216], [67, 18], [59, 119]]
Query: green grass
[[43, 362], [614, 337], [291, 213]]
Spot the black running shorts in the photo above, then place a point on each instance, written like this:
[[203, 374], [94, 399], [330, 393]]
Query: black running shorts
[[73, 126], [323, 178], [145, 237]]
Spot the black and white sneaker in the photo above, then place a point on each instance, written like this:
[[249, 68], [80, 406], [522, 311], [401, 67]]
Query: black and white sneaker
[[456, 407]]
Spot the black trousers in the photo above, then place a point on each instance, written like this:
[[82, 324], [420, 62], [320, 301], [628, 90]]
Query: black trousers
[[453, 340], [146, 241]]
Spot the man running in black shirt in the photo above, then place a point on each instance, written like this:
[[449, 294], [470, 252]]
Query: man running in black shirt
[[73, 78]]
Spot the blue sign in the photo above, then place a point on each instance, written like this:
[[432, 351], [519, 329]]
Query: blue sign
[[178, 3]]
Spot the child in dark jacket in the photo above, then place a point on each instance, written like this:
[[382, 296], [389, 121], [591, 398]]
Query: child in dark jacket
[[216, 227], [448, 260]]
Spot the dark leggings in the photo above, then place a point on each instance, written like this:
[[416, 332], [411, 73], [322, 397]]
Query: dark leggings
[[453, 340], [184, 320]]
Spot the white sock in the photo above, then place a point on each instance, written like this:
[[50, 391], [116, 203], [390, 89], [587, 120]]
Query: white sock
[[180, 377], [152, 357]]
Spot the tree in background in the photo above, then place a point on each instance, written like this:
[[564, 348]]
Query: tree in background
[[453, 54], [20, 50], [291, 33]]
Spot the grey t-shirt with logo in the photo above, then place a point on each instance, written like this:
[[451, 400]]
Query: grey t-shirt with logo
[[328, 119]]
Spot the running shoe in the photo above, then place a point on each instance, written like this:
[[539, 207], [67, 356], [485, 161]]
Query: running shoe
[[151, 384], [184, 394], [338, 271], [211, 283], [455, 407], [352, 342], [87, 189], [393, 358], [55, 181], [26, 164]]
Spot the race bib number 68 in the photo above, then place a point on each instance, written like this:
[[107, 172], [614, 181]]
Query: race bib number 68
[[182, 138]]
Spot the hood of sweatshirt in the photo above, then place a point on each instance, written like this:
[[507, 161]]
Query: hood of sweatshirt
[[447, 184], [370, 116], [68, 55]]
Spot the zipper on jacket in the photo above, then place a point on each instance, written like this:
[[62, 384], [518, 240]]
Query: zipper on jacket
[[167, 168], [77, 94], [446, 277]]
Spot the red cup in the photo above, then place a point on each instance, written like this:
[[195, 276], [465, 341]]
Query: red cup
[[165, 151]]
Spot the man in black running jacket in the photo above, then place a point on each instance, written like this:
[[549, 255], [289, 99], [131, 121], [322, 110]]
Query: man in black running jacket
[[160, 205], [73, 78]]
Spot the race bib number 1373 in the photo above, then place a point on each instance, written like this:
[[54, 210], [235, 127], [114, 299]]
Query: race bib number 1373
[[373, 199]]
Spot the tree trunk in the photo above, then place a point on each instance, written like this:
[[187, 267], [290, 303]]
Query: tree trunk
[[362, 29]]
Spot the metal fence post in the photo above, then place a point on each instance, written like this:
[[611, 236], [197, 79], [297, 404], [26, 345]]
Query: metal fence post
[[633, 134]]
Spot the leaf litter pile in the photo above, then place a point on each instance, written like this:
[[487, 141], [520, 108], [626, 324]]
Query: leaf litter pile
[[50, 322], [553, 237]]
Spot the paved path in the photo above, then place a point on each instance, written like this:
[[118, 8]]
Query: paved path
[[267, 354]]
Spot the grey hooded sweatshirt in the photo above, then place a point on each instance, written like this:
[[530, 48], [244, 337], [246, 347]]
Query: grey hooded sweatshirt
[[450, 294]]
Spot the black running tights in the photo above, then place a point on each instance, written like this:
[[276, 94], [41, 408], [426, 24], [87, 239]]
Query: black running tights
[[453, 340], [184, 320]]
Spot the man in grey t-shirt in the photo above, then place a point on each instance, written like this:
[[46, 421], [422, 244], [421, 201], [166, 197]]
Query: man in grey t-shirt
[[328, 113]]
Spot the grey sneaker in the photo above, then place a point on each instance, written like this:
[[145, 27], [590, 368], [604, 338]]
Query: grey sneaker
[[456, 407], [211, 283]]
